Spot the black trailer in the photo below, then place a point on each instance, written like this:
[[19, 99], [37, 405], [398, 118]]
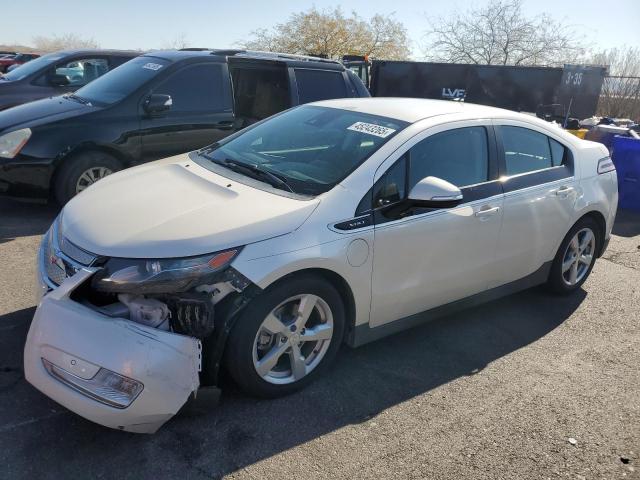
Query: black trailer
[[551, 92]]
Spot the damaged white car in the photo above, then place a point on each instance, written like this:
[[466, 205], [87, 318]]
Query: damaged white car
[[339, 221]]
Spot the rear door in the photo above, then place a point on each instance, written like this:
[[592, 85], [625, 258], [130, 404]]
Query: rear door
[[201, 111], [540, 191]]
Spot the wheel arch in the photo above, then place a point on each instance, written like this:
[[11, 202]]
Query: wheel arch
[[81, 149], [598, 217], [341, 285]]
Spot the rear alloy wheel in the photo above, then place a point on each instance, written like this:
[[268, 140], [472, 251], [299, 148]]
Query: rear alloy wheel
[[576, 257], [286, 337]]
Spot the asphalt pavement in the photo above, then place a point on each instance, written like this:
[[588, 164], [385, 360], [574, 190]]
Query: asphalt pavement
[[528, 386]]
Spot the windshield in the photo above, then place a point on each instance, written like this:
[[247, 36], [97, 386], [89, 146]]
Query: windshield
[[311, 148], [33, 66], [122, 81]]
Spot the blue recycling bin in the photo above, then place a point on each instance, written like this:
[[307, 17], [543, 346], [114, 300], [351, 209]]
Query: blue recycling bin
[[626, 158]]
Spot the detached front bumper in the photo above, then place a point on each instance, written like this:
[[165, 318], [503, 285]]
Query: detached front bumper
[[81, 341]]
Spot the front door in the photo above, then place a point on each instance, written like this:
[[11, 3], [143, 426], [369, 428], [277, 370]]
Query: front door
[[431, 257], [200, 114]]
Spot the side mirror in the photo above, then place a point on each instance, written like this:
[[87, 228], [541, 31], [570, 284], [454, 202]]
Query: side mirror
[[434, 192], [58, 80], [157, 103]]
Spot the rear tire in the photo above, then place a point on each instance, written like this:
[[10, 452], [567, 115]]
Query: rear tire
[[80, 171], [575, 257], [273, 350]]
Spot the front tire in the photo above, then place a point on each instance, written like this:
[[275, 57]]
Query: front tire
[[81, 171], [575, 257], [286, 337]]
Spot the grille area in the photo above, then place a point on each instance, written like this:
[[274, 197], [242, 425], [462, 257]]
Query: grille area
[[61, 258], [72, 251]]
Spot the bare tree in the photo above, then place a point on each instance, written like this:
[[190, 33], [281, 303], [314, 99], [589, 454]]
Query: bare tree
[[500, 34], [176, 43], [62, 42], [620, 96], [331, 33]]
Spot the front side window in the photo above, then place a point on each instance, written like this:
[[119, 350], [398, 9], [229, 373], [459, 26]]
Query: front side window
[[83, 71], [196, 88], [459, 156], [391, 187], [312, 148], [525, 150], [315, 85]]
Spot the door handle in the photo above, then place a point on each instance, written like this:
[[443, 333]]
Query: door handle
[[224, 125], [486, 211], [564, 191]]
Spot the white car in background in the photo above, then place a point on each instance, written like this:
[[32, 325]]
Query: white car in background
[[339, 221]]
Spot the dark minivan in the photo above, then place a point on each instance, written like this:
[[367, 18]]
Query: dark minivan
[[154, 106], [57, 73]]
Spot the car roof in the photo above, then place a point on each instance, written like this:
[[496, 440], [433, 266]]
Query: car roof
[[414, 109], [101, 51], [176, 55]]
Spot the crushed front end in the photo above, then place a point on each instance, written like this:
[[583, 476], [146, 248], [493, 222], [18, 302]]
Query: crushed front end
[[117, 349]]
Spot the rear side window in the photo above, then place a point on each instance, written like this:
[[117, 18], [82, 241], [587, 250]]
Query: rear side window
[[314, 85], [526, 150], [197, 88], [83, 71], [459, 156]]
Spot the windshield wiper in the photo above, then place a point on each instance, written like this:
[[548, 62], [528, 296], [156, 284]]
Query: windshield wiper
[[75, 97], [256, 171]]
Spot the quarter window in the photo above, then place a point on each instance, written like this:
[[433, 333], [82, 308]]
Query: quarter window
[[314, 85], [197, 88], [527, 150], [557, 152], [391, 188], [459, 156]]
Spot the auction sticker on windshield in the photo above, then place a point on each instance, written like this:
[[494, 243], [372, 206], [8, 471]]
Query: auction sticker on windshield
[[152, 66], [371, 129]]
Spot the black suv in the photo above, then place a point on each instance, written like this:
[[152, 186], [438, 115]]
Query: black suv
[[57, 73], [154, 106]]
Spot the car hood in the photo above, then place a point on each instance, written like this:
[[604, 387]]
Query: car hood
[[41, 111], [176, 208]]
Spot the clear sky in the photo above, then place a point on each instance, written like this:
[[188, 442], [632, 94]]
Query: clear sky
[[147, 24]]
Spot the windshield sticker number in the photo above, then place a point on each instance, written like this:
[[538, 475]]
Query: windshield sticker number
[[371, 129], [152, 66]]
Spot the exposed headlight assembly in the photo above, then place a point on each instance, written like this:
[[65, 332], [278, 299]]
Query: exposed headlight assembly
[[11, 143], [167, 275]]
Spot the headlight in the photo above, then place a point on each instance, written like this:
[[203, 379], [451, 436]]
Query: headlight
[[170, 275], [11, 143]]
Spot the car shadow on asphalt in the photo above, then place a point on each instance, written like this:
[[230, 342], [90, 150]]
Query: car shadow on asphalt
[[242, 431], [21, 219], [627, 223]]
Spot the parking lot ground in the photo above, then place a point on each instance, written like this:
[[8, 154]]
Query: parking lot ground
[[494, 392]]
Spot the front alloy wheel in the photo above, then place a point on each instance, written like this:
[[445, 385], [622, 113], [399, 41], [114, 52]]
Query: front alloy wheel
[[286, 336], [91, 176], [293, 339]]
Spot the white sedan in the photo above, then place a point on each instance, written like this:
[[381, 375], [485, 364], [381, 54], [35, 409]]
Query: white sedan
[[336, 222]]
